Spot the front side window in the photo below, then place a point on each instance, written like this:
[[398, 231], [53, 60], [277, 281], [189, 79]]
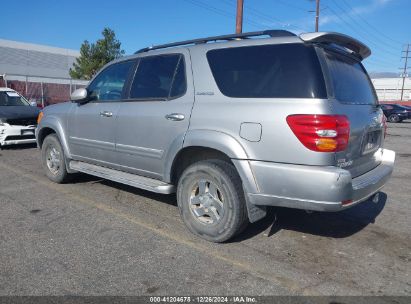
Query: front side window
[[159, 77], [350, 81], [11, 98], [108, 85], [268, 71]]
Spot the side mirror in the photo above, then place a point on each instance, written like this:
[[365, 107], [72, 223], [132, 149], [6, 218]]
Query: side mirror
[[79, 95]]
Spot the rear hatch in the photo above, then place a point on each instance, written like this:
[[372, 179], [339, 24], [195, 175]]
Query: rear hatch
[[353, 95]]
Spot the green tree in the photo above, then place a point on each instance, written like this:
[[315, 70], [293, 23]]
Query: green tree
[[93, 56]]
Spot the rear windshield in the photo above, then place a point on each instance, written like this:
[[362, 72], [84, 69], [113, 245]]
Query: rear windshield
[[268, 71], [350, 81]]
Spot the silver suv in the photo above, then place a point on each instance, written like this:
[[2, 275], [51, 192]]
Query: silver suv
[[232, 124]]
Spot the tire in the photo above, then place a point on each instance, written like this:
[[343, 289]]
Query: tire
[[393, 118], [53, 159], [211, 200]]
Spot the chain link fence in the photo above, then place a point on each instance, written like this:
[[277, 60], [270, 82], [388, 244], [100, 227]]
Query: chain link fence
[[44, 90]]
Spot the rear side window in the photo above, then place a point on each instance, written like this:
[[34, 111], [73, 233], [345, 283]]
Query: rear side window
[[350, 81], [159, 77], [268, 71]]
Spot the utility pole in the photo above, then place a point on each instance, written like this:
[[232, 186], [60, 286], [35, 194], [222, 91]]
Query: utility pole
[[317, 14], [404, 70], [239, 17]]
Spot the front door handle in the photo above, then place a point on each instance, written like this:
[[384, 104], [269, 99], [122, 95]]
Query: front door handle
[[106, 114], [175, 116]]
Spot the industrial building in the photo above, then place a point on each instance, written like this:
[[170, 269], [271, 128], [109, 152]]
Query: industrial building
[[389, 89], [38, 72]]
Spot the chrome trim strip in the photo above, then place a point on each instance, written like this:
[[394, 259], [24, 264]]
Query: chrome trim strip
[[141, 151], [92, 143]]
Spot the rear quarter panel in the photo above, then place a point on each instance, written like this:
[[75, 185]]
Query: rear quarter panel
[[214, 111]]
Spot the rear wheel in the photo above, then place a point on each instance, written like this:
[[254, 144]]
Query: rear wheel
[[211, 200], [393, 118], [53, 161]]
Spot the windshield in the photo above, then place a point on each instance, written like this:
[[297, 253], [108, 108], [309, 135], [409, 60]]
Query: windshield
[[10, 98], [350, 81]]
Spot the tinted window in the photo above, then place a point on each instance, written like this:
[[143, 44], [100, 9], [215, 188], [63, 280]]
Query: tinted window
[[108, 85], [159, 77], [288, 70], [350, 81]]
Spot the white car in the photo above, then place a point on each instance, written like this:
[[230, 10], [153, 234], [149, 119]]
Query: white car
[[18, 118]]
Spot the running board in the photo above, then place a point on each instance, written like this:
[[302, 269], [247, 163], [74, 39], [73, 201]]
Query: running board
[[134, 180]]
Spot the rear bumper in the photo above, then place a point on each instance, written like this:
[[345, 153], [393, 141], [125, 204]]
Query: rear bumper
[[316, 188], [12, 135]]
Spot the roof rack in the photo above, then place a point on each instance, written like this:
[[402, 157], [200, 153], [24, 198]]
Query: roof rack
[[271, 33]]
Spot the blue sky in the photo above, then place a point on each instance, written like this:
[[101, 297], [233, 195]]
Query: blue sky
[[382, 24]]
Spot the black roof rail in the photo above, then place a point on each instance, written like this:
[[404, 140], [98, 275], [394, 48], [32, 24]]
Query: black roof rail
[[271, 33]]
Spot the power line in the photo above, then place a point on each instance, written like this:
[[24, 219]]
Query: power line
[[358, 33], [247, 20], [221, 12], [291, 5], [382, 61], [269, 18], [379, 60], [254, 12], [369, 24], [258, 14], [379, 63], [371, 33]]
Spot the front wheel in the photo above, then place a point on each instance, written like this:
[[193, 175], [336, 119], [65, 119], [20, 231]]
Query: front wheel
[[211, 200], [393, 118], [53, 161]]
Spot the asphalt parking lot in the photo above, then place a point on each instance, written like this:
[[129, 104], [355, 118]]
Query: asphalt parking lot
[[95, 237]]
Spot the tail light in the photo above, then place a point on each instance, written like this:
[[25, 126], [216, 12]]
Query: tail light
[[321, 133]]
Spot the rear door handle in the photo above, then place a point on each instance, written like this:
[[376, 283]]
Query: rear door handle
[[175, 116], [106, 114]]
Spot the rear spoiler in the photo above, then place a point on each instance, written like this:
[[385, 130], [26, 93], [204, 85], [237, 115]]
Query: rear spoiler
[[347, 42]]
